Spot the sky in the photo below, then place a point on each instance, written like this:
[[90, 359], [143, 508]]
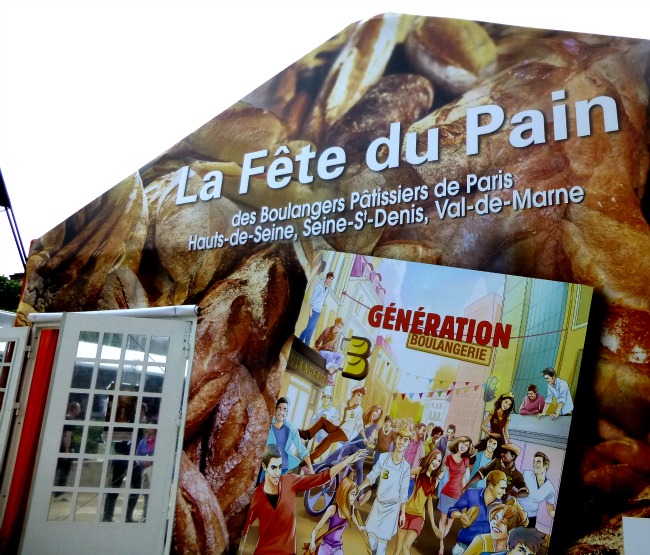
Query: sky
[[92, 91]]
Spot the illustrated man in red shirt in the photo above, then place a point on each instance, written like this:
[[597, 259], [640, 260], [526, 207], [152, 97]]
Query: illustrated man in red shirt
[[274, 501]]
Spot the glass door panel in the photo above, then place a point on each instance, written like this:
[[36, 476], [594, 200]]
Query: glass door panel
[[105, 467]]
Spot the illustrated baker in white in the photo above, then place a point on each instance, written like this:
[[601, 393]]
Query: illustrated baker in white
[[392, 470], [350, 424]]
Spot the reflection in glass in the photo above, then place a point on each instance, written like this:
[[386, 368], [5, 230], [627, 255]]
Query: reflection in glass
[[76, 407], [127, 386], [135, 347], [146, 476], [121, 441], [64, 476], [88, 343], [111, 346], [91, 473], [3, 350], [116, 473], [144, 412], [59, 506], [112, 507], [95, 443], [154, 381], [136, 509], [82, 375], [131, 374], [159, 349], [144, 452], [71, 438], [126, 407], [106, 376], [86, 509], [152, 405], [101, 407]]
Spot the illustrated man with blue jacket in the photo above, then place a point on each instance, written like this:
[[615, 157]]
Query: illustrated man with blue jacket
[[284, 434]]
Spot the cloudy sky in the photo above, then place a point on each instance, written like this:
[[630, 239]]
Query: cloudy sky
[[91, 91]]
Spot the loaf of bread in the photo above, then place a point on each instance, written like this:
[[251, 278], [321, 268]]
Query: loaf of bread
[[245, 321], [242, 344], [69, 266], [240, 427], [199, 523]]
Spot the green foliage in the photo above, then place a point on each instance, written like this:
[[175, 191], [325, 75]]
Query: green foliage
[[9, 294]]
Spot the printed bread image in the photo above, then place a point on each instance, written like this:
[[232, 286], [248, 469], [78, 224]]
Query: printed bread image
[[131, 248]]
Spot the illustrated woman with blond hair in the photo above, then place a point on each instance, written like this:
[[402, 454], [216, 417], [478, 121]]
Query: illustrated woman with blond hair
[[338, 515]]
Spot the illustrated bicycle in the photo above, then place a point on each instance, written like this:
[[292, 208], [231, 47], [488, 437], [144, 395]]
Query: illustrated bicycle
[[317, 499]]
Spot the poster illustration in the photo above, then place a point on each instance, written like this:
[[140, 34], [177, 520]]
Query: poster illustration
[[439, 338]]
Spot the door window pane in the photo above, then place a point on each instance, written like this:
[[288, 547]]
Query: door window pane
[[95, 441], [112, 346], [86, 508], [101, 409], [88, 344], [159, 349], [126, 408], [82, 375], [59, 506], [76, 407], [107, 376], [135, 347], [112, 507], [65, 472], [121, 441], [155, 378], [131, 377], [71, 439], [91, 473], [150, 414], [116, 473]]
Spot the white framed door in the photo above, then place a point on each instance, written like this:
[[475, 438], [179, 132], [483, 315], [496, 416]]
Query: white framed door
[[12, 350], [105, 473]]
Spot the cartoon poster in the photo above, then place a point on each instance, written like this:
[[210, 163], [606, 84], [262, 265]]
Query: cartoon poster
[[407, 386]]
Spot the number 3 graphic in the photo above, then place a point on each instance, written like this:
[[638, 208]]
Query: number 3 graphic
[[356, 359]]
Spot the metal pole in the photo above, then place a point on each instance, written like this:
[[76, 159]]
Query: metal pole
[[6, 203]]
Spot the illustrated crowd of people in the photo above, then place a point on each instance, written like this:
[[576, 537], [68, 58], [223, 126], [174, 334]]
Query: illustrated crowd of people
[[418, 470]]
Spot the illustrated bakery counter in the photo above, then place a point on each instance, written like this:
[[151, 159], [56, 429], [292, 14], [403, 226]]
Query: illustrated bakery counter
[[543, 431]]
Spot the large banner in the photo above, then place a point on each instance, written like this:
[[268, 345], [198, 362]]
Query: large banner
[[458, 143]]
